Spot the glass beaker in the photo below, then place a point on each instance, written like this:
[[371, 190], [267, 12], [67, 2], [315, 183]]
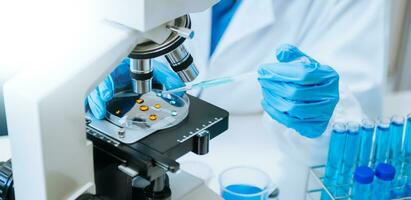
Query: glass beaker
[[245, 183]]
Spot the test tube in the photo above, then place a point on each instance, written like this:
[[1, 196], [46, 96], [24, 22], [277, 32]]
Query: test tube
[[384, 174], [382, 142], [363, 178], [352, 145], [335, 158], [397, 129], [366, 135], [407, 155]]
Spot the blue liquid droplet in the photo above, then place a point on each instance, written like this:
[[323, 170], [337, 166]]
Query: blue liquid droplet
[[174, 113]]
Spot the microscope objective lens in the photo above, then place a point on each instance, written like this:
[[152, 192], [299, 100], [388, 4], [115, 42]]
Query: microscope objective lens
[[140, 101], [153, 117], [144, 108]]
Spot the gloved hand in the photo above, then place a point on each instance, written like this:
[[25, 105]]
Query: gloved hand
[[120, 78], [298, 91]]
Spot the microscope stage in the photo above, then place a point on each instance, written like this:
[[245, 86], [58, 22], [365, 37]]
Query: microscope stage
[[131, 117], [163, 147]]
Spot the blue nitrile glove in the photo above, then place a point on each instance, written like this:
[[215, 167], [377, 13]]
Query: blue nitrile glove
[[120, 78], [299, 92]]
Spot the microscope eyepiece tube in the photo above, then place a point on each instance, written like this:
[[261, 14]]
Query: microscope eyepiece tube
[[182, 63], [141, 72]]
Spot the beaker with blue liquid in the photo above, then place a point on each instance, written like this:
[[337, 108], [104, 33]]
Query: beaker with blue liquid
[[245, 183]]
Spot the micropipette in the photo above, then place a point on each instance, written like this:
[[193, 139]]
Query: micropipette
[[213, 82]]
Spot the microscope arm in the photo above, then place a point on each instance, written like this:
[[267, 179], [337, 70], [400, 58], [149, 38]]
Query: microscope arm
[[52, 159]]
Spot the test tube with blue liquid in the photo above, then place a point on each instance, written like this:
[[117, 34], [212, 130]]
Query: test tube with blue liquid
[[335, 159], [395, 154], [384, 175], [407, 156], [352, 147], [366, 141], [362, 188], [382, 141]]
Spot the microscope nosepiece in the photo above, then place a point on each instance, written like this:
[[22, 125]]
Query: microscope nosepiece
[[141, 72], [182, 63]]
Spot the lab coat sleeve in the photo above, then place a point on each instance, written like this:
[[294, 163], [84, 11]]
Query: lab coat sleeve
[[349, 36]]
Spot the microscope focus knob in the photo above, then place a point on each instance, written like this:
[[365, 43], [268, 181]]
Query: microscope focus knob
[[202, 143], [6, 181]]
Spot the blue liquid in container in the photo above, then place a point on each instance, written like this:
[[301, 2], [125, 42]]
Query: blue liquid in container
[[366, 134], [407, 156], [335, 159], [382, 142], [243, 192], [352, 147], [362, 188], [384, 174], [397, 129]]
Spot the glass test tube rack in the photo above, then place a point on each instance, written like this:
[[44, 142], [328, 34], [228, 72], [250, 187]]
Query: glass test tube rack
[[315, 186]]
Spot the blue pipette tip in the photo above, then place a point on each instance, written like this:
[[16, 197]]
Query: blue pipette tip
[[367, 124]]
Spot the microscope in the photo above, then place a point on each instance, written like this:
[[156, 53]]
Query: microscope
[[75, 156]]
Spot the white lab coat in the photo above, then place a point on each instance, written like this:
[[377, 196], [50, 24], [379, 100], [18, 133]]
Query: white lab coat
[[345, 34]]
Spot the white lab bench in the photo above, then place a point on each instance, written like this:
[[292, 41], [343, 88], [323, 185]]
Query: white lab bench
[[245, 144]]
